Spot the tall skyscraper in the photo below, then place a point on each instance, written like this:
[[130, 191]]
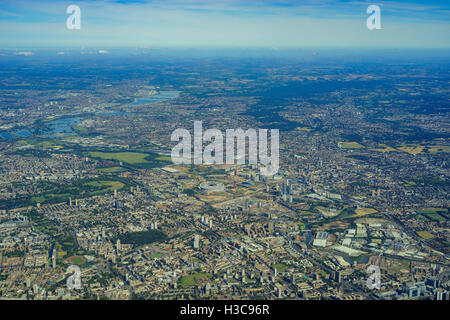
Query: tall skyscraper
[[196, 241], [54, 259]]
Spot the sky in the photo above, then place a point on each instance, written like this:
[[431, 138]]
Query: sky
[[224, 23]]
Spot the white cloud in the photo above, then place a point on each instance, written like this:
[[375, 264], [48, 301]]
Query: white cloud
[[24, 53]]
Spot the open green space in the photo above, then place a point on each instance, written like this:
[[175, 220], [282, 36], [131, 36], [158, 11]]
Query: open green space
[[435, 216], [106, 185], [66, 242], [438, 149], [350, 145], [128, 157], [132, 159], [432, 210], [111, 169], [280, 267], [426, 235], [42, 224], [194, 279], [49, 192], [142, 237]]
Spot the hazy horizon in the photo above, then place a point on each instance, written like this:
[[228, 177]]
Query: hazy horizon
[[227, 23]]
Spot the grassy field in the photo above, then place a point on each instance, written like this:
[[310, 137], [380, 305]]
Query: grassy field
[[383, 148], [111, 169], [44, 144], [361, 212], [306, 213], [425, 235], [280, 267], [66, 242], [128, 157], [364, 212], [412, 149], [350, 145], [194, 279], [106, 185], [55, 193], [131, 158], [438, 149], [435, 216], [432, 210]]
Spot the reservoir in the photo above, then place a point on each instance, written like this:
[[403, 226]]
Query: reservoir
[[64, 126]]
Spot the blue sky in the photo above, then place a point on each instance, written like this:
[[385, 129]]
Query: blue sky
[[225, 23]]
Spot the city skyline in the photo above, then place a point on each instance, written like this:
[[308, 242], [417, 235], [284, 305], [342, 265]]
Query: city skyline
[[237, 154]]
